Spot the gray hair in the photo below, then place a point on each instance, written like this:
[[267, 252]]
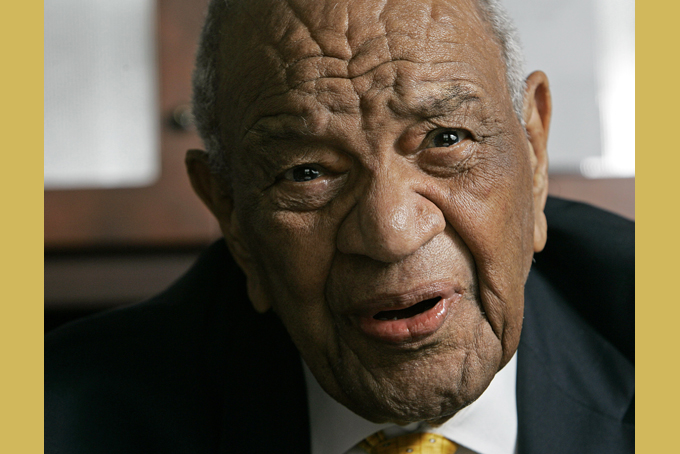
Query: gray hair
[[504, 30], [206, 80]]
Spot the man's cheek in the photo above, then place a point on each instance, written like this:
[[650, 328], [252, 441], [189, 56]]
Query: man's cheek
[[501, 294], [295, 254], [495, 234]]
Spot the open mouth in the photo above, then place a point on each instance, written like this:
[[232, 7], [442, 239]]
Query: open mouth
[[401, 321], [409, 312]]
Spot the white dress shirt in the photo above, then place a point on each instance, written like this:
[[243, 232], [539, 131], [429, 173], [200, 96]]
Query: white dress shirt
[[487, 426]]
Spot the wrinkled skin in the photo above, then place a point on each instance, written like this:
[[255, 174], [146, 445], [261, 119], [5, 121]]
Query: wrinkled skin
[[358, 94]]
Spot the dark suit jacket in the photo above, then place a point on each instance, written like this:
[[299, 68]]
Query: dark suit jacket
[[196, 370]]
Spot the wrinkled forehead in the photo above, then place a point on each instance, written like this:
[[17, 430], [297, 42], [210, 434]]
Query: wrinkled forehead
[[271, 47]]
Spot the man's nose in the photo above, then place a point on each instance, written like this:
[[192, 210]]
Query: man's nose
[[390, 221]]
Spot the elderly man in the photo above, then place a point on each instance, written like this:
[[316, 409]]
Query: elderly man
[[379, 173]]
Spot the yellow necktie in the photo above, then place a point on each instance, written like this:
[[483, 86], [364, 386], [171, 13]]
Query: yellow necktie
[[415, 443]]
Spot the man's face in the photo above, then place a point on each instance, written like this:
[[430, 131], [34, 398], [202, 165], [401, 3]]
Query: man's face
[[382, 195]]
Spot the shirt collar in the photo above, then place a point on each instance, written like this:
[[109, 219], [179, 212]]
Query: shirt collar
[[487, 426]]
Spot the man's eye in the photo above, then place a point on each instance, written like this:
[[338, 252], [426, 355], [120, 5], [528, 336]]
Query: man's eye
[[302, 173], [448, 138]]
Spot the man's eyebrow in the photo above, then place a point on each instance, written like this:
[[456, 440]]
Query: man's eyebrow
[[262, 130], [447, 100]]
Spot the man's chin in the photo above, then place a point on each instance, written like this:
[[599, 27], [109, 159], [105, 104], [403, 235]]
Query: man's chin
[[396, 394], [384, 408]]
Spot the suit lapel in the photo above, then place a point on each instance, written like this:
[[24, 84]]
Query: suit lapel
[[259, 380], [574, 388], [267, 409]]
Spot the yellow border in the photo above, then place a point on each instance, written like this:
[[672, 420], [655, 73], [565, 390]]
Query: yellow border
[[657, 233], [21, 330]]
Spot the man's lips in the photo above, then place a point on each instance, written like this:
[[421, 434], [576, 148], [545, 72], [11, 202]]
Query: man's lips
[[406, 317]]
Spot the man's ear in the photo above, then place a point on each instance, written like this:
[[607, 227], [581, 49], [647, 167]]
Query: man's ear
[[205, 185], [210, 189], [536, 113]]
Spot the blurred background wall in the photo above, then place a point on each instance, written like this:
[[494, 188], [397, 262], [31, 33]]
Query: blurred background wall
[[121, 221]]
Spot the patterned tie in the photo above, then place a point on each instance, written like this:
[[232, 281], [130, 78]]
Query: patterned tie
[[415, 443]]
